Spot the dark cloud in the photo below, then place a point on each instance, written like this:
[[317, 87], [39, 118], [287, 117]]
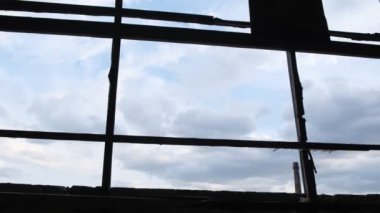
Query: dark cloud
[[347, 172], [346, 114], [208, 165], [69, 113], [209, 124], [156, 111], [147, 115]]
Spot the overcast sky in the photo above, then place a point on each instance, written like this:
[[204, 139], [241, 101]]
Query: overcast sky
[[59, 83]]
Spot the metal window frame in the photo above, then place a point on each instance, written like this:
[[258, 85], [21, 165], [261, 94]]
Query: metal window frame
[[118, 31]]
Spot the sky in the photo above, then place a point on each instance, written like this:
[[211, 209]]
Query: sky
[[59, 83]]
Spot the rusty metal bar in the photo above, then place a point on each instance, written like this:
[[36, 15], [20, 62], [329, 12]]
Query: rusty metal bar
[[178, 35], [188, 141], [111, 109], [307, 164]]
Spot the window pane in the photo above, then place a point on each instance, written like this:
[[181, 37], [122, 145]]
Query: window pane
[[347, 172], [50, 162], [53, 83], [235, 10], [198, 91], [341, 98], [229, 10], [200, 168]]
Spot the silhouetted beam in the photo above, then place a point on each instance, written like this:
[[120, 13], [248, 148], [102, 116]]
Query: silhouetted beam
[[41, 7], [357, 36], [177, 35], [53, 135], [243, 143], [306, 159], [43, 202], [112, 96], [188, 141]]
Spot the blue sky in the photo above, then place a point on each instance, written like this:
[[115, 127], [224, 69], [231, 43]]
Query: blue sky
[[59, 83]]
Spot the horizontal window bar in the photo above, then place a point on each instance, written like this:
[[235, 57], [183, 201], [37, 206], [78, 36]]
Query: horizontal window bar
[[178, 35], [357, 36], [188, 141]]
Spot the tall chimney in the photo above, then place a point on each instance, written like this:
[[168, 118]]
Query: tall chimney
[[297, 180]]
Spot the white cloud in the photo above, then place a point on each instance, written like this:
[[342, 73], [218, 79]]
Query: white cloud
[[353, 16], [67, 163]]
